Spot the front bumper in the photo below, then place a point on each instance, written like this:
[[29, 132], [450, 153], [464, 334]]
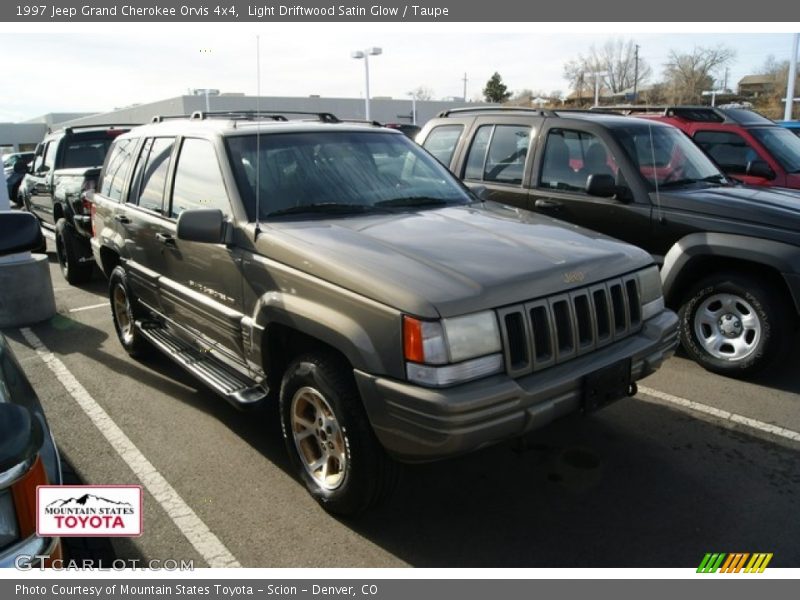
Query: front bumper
[[416, 424]]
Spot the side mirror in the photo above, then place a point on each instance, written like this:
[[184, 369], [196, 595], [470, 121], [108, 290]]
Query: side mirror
[[760, 168], [204, 225], [19, 232], [43, 169], [481, 192], [603, 186], [20, 167]]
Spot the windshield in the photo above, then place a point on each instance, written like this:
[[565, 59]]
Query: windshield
[[338, 172], [782, 144], [666, 157]]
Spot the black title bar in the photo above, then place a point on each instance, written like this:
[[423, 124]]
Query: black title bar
[[399, 11]]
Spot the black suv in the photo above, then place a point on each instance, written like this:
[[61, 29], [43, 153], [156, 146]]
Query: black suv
[[66, 164], [340, 271], [730, 254]]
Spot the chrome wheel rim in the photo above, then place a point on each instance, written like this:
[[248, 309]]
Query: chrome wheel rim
[[318, 438], [122, 313], [727, 327]]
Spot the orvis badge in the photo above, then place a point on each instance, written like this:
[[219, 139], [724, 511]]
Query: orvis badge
[[89, 510]]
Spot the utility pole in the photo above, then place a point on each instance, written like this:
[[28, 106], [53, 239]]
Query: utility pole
[[635, 72], [465, 87], [725, 83], [787, 112]]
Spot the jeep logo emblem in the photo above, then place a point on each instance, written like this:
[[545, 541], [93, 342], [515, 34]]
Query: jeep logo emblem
[[574, 276]]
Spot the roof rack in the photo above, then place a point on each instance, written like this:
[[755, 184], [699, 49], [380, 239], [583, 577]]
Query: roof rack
[[602, 110], [275, 115], [626, 109], [480, 109], [707, 114]]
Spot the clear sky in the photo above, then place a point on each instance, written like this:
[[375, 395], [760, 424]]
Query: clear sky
[[100, 68]]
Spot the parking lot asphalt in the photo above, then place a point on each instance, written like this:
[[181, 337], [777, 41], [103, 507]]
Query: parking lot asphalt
[[652, 481]]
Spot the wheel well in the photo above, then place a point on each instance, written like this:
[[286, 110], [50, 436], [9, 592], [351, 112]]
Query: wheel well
[[282, 344], [108, 259], [703, 266]]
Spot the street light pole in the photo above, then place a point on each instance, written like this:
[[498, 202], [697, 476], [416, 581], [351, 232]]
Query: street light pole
[[365, 54], [597, 76], [413, 107], [787, 112]]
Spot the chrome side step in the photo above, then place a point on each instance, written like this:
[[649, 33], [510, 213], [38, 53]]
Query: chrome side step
[[237, 389]]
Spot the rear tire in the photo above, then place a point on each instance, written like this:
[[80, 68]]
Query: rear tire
[[328, 436], [125, 311], [67, 251], [735, 324]]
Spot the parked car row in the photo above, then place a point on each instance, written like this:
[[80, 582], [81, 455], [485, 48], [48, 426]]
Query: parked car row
[[394, 314]]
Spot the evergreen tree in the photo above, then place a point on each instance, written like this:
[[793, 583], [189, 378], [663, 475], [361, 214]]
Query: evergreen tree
[[496, 90]]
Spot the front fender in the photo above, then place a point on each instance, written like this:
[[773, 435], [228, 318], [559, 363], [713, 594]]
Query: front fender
[[373, 345], [784, 258]]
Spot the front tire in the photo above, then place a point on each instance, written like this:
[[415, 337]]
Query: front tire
[[735, 324], [125, 311], [69, 258], [328, 436]]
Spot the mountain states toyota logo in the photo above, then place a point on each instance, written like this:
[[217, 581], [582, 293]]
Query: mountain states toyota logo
[[89, 510]]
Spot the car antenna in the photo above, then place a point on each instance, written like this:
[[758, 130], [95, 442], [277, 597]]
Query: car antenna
[[258, 139], [659, 214]]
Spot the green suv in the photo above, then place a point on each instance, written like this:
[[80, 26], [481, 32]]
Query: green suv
[[339, 270]]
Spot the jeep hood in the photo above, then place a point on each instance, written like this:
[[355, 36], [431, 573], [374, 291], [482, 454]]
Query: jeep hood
[[773, 207], [450, 261]]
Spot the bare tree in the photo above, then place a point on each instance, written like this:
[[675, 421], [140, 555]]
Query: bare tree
[[688, 74], [522, 98], [423, 93], [617, 59]]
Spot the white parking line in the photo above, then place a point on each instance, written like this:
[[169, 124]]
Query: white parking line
[[720, 414], [90, 307], [199, 535]]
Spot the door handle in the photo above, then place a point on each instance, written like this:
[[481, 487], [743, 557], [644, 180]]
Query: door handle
[[547, 204], [121, 219], [165, 239]]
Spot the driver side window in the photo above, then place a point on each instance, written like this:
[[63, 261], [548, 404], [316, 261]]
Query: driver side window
[[571, 156]]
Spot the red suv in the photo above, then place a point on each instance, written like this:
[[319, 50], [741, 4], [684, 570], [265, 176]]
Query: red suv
[[745, 144]]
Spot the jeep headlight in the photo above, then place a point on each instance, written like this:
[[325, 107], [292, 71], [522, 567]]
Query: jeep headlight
[[453, 350], [650, 291]]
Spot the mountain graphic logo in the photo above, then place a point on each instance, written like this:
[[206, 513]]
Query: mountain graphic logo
[[87, 500]]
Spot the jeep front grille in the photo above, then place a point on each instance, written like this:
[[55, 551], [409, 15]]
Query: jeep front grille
[[552, 330]]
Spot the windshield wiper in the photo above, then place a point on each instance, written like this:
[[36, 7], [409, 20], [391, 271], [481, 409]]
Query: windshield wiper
[[718, 178], [412, 201], [332, 208]]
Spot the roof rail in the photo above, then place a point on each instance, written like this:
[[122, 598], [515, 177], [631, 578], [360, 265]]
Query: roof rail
[[480, 109], [68, 130], [586, 111], [626, 109], [372, 122], [275, 115]]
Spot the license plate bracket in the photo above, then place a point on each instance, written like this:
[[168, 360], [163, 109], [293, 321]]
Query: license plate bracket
[[606, 385]]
